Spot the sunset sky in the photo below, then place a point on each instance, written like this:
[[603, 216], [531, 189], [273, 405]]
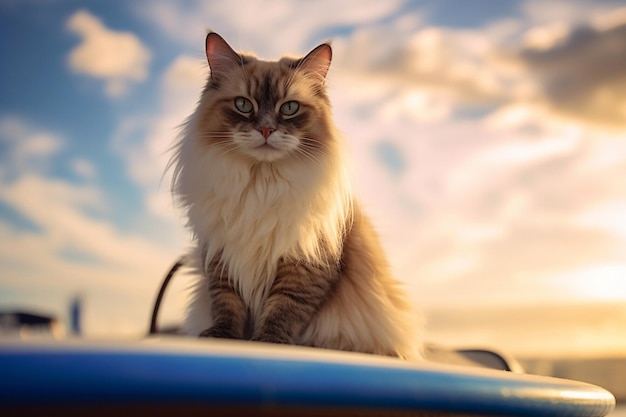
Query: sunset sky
[[488, 144]]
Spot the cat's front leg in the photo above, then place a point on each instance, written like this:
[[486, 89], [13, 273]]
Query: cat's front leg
[[228, 310], [299, 291]]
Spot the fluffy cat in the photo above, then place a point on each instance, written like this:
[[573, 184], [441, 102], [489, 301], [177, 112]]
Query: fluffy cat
[[283, 252]]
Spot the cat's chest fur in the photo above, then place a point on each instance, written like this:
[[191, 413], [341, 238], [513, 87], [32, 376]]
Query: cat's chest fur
[[252, 214]]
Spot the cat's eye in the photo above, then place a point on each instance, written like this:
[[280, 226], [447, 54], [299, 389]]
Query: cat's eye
[[290, 108], [243, 105]]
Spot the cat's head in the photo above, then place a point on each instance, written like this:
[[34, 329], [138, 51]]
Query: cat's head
[[265, 111]]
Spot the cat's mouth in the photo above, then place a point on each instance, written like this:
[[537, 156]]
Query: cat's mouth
[[272, 148], [266, 149], [266, 145], [267, 152]]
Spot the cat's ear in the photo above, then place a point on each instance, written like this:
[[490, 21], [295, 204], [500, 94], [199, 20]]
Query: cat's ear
[[317, 62], [221, 57]]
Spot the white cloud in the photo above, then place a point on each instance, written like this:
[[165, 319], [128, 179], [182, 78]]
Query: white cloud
[[441, 66], [286, 27], [602, 215], [118, 276], [569, 67], [546, 37], [60, 209], [118, 58], [145, 142], [28, 147], [182, 82], [71, 245], [514, 153], [35, 144]]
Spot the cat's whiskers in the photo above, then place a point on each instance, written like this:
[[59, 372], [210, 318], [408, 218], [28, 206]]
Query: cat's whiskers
[[312, 144], [309, 151], [228, 147], [306, 155]]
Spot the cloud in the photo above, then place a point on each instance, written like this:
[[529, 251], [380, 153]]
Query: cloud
[[63, 212], [27, 148], [145, 142], [118, 58], [74, 251], [521, 219], [287, 26], [570, 12], [182, 82], [435, 73], [571, 67], [432, 60], [73, 244], [581, 69]]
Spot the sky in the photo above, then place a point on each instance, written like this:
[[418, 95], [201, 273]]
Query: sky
[[487, 142]]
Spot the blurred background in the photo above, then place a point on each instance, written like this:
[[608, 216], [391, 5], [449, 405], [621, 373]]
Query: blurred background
[[488, 144]]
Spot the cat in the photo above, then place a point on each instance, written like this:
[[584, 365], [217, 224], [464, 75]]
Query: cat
[[282, 249]]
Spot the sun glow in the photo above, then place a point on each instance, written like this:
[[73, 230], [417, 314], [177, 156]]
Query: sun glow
[[602, 282]]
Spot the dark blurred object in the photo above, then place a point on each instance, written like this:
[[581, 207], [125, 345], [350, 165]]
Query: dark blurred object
[[157, 303], [24, 324], [482, 358], [75, 315]]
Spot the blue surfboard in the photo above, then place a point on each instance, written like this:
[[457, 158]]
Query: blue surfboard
[[189, 377]]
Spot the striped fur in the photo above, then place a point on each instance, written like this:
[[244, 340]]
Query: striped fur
[[282, 250]]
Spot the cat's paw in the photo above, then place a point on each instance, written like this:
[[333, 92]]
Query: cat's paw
[[219, 332], [266, 337]]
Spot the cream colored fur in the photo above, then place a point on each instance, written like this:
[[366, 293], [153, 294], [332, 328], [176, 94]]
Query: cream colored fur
[[253, 212]]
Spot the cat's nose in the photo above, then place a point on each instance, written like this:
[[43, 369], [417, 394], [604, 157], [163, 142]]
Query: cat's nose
[[266, 131]]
